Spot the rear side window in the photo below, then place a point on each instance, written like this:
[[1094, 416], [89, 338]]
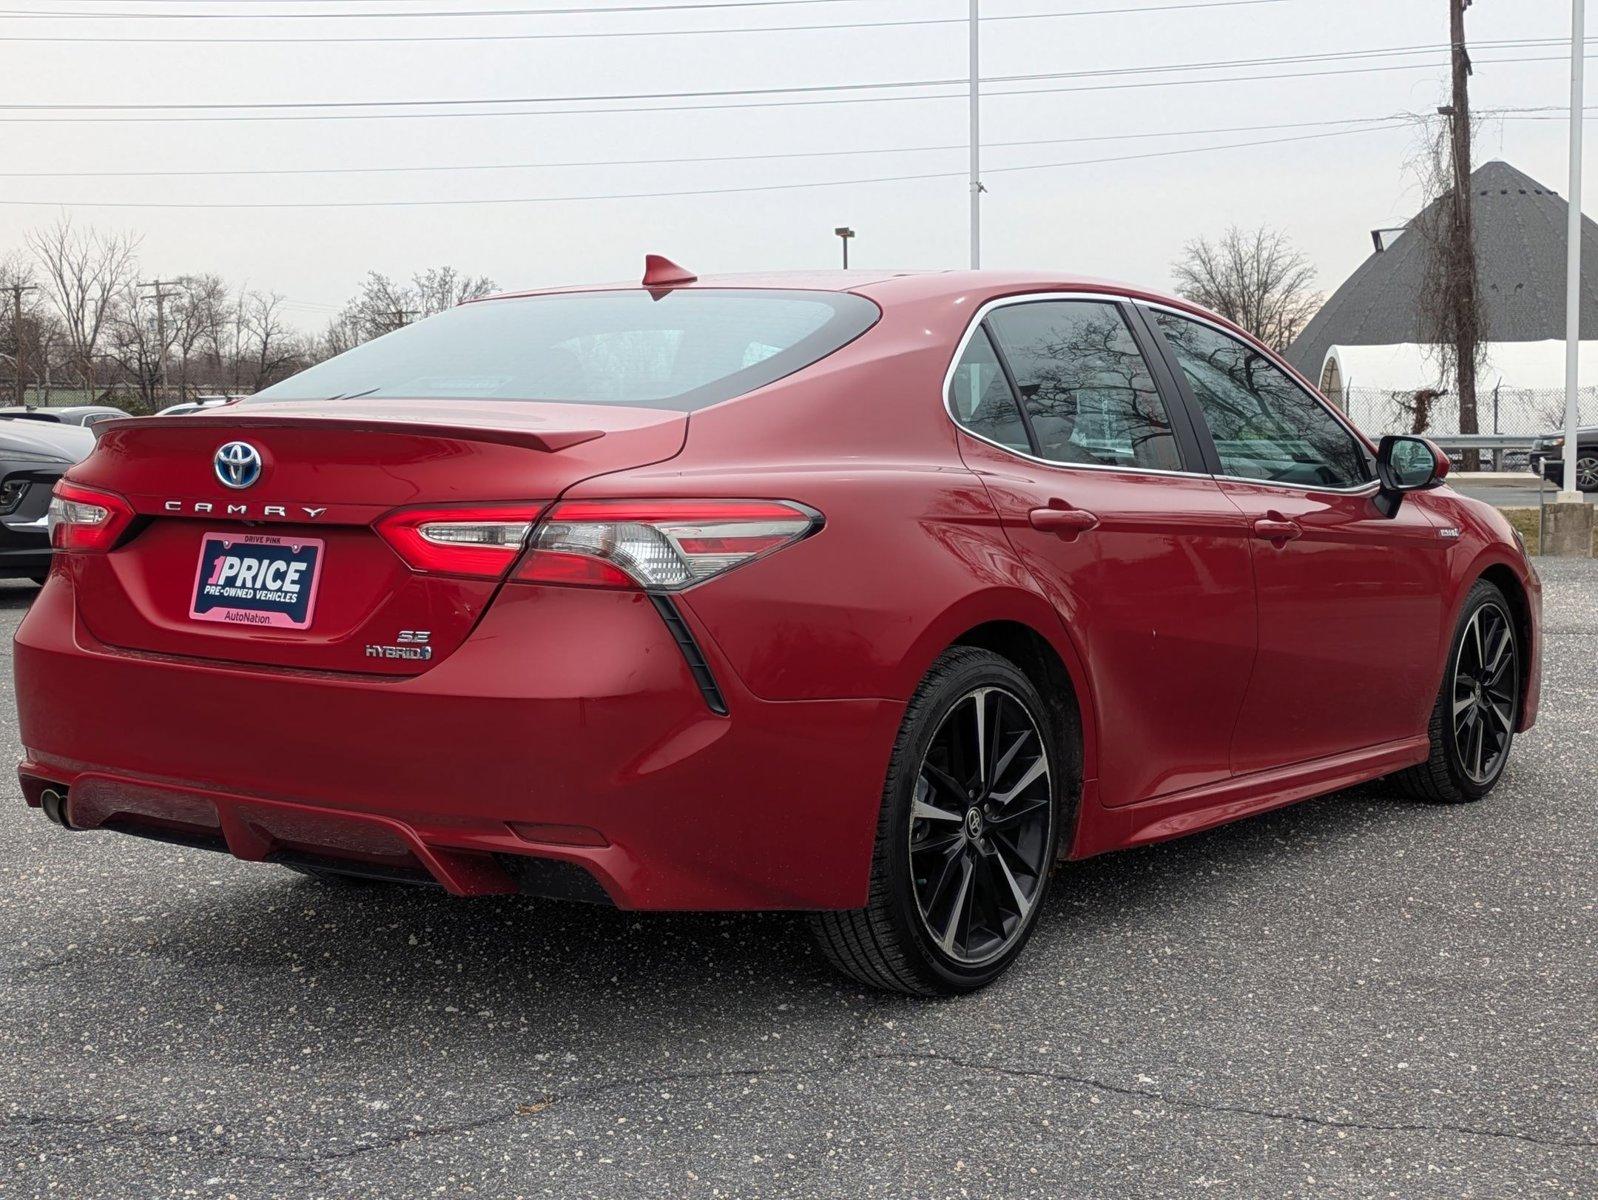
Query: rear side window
[[1088, 394], [1264, 425], [684, 350], [982, 399]]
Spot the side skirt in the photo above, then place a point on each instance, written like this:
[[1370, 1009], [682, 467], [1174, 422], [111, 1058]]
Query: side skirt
[[1102, 829]]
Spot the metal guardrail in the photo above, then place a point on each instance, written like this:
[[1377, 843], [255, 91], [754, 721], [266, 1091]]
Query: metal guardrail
[[1497, 444], [1486, 441]]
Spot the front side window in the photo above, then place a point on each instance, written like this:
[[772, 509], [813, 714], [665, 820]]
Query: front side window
[[1088, 393], [1264, 425], [982, 399], [682, 349]]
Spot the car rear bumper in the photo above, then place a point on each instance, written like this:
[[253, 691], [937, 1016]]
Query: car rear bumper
[[568, 728]]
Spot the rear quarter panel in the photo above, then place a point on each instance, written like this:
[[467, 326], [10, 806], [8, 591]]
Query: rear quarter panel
[[912, 554]]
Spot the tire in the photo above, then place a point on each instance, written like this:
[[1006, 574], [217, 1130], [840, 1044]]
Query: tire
[[1468, 753], [1587, 472], [900, 940]]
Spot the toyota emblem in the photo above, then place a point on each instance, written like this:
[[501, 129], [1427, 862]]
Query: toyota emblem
[[238, 465]]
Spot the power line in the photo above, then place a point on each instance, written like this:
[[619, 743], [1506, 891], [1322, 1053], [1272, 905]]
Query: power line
[[789, 103], [50, 14], [1507, 114], [718, 191], [724, 93], [629, 33], [695, 5], [709, 158]]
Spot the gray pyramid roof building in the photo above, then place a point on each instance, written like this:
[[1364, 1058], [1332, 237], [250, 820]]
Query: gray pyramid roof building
[[1520, 235]]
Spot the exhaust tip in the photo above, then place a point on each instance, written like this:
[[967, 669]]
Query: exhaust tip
[[54, 803]]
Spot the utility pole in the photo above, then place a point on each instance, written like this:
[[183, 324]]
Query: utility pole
[[1578, 21], [976, 142], [1462, 252], [160, 294], [21, 358]]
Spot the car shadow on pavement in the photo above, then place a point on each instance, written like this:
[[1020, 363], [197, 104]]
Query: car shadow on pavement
[[16, 595], [254, 923]]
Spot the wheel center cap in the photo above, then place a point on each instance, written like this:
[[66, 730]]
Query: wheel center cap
[[973, 823]]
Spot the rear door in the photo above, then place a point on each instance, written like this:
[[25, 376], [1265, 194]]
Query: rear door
[[1350, 602], [1099, 486]]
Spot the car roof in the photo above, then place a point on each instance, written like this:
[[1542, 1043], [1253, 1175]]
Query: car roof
[[887, 286]]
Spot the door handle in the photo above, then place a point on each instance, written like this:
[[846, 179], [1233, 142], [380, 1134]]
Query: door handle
[[1067, 522], [1277, 530]]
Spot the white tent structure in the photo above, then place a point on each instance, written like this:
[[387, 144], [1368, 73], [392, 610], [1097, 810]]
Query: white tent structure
[[1361, 348], [1409, 367]]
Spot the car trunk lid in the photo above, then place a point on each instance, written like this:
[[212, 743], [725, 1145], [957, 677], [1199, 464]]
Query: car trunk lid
[[327, 472]]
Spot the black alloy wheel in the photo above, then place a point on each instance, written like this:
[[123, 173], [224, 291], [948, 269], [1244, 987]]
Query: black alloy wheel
[[1486, 693], [1472, 726], [980, 824], [968, 831]]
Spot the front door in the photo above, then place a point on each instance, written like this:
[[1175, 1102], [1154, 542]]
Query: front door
[[1145, 559], [1349, 601]]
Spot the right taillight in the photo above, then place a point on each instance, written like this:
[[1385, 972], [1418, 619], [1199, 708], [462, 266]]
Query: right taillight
[[86, 519], [661, 545]]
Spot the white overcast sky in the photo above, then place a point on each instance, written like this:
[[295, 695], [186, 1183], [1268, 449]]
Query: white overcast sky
[[1121, 219]]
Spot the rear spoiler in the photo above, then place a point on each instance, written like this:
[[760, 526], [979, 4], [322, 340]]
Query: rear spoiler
[[222, 419]]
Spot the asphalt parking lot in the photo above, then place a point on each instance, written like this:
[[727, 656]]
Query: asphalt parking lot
[[1359, 996]]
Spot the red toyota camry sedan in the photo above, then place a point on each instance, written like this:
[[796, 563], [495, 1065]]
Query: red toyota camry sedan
[[867, 596]]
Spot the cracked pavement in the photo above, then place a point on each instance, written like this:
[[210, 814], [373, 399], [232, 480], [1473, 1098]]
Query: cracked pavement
[[1358, 996]]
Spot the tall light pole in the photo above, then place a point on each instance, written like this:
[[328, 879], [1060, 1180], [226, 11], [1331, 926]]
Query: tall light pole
[[976, 143], [844, 234], [1567, 490]]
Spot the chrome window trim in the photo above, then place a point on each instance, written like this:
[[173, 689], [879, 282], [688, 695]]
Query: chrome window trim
[[1348, 427], [1114, 299]]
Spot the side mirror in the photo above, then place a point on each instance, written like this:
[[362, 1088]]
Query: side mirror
[[1406, 464]]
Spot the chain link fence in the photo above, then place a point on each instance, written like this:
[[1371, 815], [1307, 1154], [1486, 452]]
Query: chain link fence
[[1514, 412], [1527, 412]]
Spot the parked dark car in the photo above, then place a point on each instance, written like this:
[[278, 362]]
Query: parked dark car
[[33, 455], [1548, 458]]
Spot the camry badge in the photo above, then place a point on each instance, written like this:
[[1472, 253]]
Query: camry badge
[[237, 465]]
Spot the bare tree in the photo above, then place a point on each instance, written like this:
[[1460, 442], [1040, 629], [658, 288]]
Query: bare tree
[[84, 271], [20, 321], [1256, 279], [274, 350], [1450, 317], [198, 322], [133, 343], [382, 305], [439, 288]]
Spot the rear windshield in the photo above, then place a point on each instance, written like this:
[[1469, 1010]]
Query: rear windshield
[[685, 350]]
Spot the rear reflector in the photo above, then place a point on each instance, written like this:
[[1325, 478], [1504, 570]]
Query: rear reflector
[[85, 519], [479, 540], [661, 545]]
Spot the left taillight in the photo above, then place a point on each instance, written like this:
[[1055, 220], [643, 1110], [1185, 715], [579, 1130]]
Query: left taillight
[[83, 519], [478, 541]]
